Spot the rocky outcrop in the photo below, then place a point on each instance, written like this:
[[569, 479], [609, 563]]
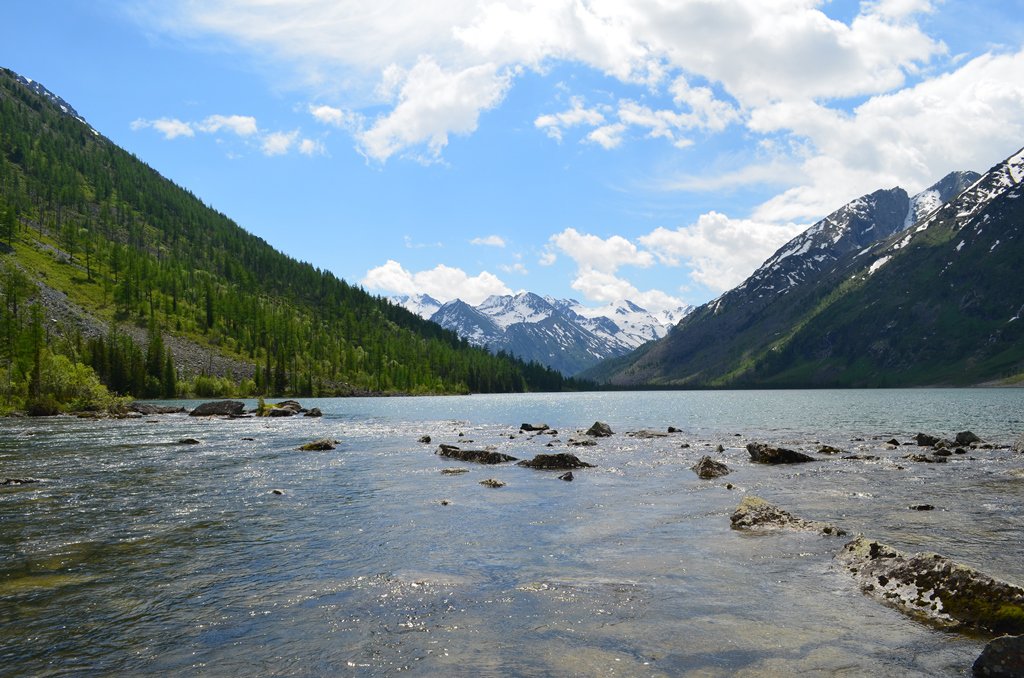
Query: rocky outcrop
[[707, 468], [935, 589], [319, 445], [562, 461], [475, 456], [926, 440], [754, 512], [148, 409], [599, 430], [967, 438], [1003, 657], [766, 454], [219, 408]]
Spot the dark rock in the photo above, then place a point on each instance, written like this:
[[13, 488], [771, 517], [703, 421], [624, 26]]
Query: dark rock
[[959, 450], [893, 442], [599, 430], [1003, 657], [280, 412], [921, 507], [292, 405], [533, 427], [188, 441], [921, 458], [645, 434], [445, 502], [719, 448], [708, 468], [828, 449], [966, 438], [247, 438], [567, 477], [684, 446], [218, 407], [19, 481], [925, 440], [319, 445], [581, 443], [1018, 446], [492, 482], [475, 456], [149, 409], [765, 454], [313, 412], [277, 492], [754, 512], [943, 452], [555, 462], [729, 486], [673, 429], [934, 589], [861, 457], [425, 440]]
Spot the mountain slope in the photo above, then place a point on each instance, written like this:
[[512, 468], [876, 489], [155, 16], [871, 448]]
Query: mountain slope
[[721, 342], [87, 222]]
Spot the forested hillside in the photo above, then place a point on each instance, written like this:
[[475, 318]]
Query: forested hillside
[[144, 265]]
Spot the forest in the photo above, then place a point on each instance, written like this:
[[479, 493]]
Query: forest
[[146, 261]]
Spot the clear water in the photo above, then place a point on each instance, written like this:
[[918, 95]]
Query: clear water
[[139, 555]]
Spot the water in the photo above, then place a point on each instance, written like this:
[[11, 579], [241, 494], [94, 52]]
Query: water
[[138, 555]]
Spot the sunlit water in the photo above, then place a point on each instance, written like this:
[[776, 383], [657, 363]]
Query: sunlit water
[[140, 555]]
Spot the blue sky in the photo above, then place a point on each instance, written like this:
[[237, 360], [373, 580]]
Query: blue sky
[[595, 149]]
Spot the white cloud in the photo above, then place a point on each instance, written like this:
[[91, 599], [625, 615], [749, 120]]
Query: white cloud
[[721, 251], [547, 258], [311, 147], [514, 268], [606, 255], [242, 125], [278, 143], [608, 136], [554, 124], [329, 115], [171, 128], [444, 283], [489, 241]]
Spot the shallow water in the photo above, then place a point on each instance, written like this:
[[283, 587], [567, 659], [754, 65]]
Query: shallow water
[[139, 555]]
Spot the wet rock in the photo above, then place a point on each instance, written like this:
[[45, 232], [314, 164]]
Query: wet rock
[[645, 434], [444, 502], [959, 450], [967, 438], [292, 405], [934, 588], [188, 441], [277, 492], [149, 409], [567, 477], [684, 446], [492, 482], [828, 449], [425, 440], [475, 456], [861, 457], [454, 471], [921, 507], [708, 468], [584, 442], [893, 442], [729, 486], [754, 512], [19, 481], [925, 440], [533, 427], [766, 454], [1018, 446], [319, 445], [555, 462], [921, 458], [719, 448], [673, 429], [1003, 657], [943, 452], [313, 412], [218, 408], [279, 412], [599, 430]]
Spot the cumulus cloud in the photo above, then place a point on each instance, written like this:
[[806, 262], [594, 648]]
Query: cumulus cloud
[[269, 143], [444, 283], [606, 255], [242, 125], [489, 241], [721, 251], [171, 128], [278, 143], [329, 115], [554, 124]]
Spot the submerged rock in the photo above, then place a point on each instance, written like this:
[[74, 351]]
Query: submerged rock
[[188, 441], [828, 449], [562, 461], [454, 471], [1003, 657], [19, 481], [475, 456], [313, 412], [766, 454], [708, 468], [754, 512], [319, 445], [934, 588], [600, 430], [218, 408]]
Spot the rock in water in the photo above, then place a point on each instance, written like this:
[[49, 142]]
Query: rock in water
[[476, 456], [966, 438], [1001, 658], [766, 454], [319, 445], [425, 440], [567, 477], [754, 512], [563, 461], [934, 589], [599, 430], [925, 440], [1019, 445], [533, 427], [218, 407], [708, 468], [314, 412], [492, 482]]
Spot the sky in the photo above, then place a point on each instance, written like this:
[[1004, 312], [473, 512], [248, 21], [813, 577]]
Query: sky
[[651, 150]]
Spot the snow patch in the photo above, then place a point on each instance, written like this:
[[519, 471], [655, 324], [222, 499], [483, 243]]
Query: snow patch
[[879, 264]]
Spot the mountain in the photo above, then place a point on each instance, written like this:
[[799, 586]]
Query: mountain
[[560, 333], [861, 299], [159, 294], [422, 305]]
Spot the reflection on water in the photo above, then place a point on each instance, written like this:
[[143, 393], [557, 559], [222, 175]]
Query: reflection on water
[[137, 554]]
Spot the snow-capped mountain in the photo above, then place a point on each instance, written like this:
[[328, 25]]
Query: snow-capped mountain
[[64, 106], [561, 333], [422, 305]]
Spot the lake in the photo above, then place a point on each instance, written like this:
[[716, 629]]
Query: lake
[[136, 554]]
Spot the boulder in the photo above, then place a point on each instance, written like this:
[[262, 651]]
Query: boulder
[[188, 441], [708, 468], [673, 429], [925, 440], [766, 454], [567, 477], [600, 430], [319, 445], [149, 409], [492, 482], [934, 588], [562, 461], [893, 442], [475, 456], [219, 408], [1003, 657], [646, 434], [425, 440], [584, 442], [313, 412], [292, 405], [967, 438], [754, 512], [828, 449], [533, 427], [280, 412]]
